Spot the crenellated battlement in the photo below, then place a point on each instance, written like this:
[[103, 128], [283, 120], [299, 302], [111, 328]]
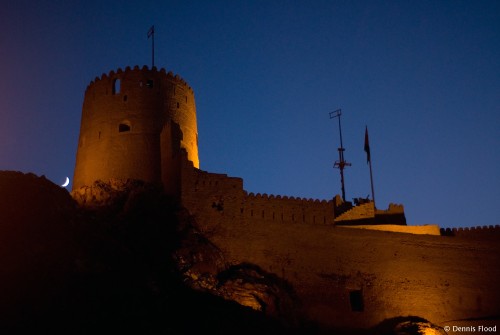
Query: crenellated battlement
[[161, 74], [219, 198], [287, 209], [283, 197], [477, 231]]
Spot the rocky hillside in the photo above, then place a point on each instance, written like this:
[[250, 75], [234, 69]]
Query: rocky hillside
[[82, 271]]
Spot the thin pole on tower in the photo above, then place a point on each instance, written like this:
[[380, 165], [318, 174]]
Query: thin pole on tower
[[371, 181], [369, 161], [341, 163], [151, 33]]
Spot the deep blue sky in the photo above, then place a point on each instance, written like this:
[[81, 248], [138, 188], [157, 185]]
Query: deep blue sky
[[424, 76]]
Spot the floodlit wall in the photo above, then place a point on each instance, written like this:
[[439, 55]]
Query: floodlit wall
[[215, 197], [344, 276]]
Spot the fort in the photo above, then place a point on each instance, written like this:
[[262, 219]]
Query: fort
[[350, 266]]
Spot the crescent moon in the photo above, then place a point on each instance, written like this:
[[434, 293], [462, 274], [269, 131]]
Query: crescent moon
[[66, 183]]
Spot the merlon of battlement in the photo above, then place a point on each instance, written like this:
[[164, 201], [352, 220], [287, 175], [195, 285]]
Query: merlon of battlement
[[284, 197], [145, 69], [470, 231]]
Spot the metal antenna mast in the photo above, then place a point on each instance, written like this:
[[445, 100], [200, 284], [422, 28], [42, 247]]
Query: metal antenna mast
[[341, 163]]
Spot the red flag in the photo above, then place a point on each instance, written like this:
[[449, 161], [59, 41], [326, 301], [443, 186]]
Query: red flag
[[367, 146]]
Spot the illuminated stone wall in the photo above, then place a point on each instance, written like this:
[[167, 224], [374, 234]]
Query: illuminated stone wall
[[347, 277], [222, 199], [359, 212], [277, 209], [126, 126], [418, 230]]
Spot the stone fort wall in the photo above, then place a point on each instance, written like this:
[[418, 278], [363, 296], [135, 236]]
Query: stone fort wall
[[216, 197], [126, 126], [346, 277]]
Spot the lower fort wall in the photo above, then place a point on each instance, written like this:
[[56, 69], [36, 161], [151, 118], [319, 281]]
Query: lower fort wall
[[345, 277]]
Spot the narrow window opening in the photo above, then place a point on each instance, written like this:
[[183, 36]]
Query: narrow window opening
[[150, 83], [356, 300], [177, 105], [241, 210], [219, 206], [293, 217], [123, 127], [99, 136], [125, 98], [186, 99], [116, 86]]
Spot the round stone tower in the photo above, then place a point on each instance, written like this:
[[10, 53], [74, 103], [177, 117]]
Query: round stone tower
[[135, 123]]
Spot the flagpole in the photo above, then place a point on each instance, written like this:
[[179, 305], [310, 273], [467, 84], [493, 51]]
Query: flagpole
[[369, 159], [371, 180], [151, 33]]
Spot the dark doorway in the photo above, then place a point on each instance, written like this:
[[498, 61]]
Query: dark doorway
[[356, 300]]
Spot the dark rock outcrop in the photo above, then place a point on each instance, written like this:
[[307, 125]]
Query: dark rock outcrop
[[37, 249]]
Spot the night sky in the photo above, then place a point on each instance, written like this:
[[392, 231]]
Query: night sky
[[424, 76]]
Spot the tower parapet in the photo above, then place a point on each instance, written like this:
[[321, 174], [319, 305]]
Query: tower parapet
[[134, 122]]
